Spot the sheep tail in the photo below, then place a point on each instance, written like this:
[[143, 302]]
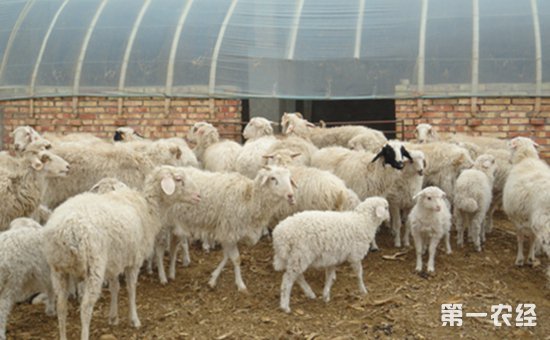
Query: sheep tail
[[467, 204]]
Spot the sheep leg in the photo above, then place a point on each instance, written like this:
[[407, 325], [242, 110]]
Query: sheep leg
[[330, 277], [159, 255], [131, 275], [92, 291], [174, 245], [60, 283], [395, 219], [459, 224], [358, 269], [532, 248], [186, 259], [417, 238], [519, 257], [6, 304], [305, 286], [476, 231], [406, 237], [432, 249], [448, 249], [114, 287], [286, 288], [219, 268], [236, 260], [50, 301]]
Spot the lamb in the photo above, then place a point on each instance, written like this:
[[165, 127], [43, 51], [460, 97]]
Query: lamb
[[430, 220], [22, 187], [294, 124], [213, 154], [258, 127], [325, 239], [473, 195], [96, 237], [402, 192], [365, 173], [234, 208], [525, 197], [23, 269], [126, 134]]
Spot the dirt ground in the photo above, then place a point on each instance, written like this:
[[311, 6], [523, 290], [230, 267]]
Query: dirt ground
[[400, 304]]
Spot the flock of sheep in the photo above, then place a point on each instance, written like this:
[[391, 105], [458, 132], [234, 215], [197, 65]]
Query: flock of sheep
[[109, 207]]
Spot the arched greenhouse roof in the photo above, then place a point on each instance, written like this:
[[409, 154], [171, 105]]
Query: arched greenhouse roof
[[315, 49]]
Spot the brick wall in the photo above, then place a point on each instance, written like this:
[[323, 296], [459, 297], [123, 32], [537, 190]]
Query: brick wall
[[495, 117], [101, 116]]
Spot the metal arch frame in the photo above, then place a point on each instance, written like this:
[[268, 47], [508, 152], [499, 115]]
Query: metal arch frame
[[294, 32], [130, 45], [43, 46], [538, 52], [359, 30], [22, 16], [84, 48], [421, 60], [217, 47], [174, 47], [475, 55]]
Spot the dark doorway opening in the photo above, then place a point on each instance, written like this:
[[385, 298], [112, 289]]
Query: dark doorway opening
[[377, 114]]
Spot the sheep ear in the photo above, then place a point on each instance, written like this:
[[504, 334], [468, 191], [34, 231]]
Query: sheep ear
[[45, 158], [415, 197], [309, 124], [168, 185], [406, 153], [380, 212], [37, 164], [378, 156], [294, 155], [176, 152], [299, 115]]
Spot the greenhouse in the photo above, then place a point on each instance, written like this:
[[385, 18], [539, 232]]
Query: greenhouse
[[87, 73]]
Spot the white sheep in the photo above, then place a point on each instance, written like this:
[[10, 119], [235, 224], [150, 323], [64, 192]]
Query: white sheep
[[366, 142], [426, 133], [258, 127], [365, 173], [96, 237], [404, 188], [295, 145], [445, 161], [294, 124], [473, 196], [128, 162], [250, 159], [214, 154], [23, 269], [21, 188], [525, 197], [316, 189], [126, 134], [23, 136], [234, 208], [430, 220], [325, 239]]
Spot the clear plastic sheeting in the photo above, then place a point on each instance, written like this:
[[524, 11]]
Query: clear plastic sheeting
[[310, 49]]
